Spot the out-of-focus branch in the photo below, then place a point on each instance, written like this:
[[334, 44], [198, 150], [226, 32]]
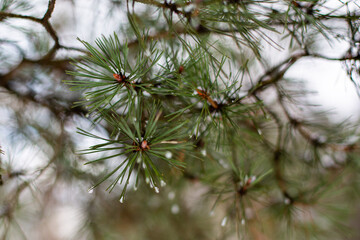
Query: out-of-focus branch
[[12, 200], [277, 153], [273, 75], [173, 7], [307, 134], [44, 22]]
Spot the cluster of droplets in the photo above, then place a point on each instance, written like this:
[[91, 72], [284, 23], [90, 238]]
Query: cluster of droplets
[[248, 180], [148, 181], [152, 185], [225, 220], [175, 209]]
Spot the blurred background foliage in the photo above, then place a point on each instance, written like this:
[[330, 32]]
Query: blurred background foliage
[[268, 161]]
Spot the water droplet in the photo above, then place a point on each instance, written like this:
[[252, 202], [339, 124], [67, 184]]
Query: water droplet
[[246, 178], [147, 180], [91, 190], [156, 189], [87, 115], [175, 209], [200, 104], [138, 160], [162, 183], [211, 213], [223, 222], [287, 201], [121, 199], [135, 188], [144, 165], [242, 221], [327, 161], [203, 152], [252, 178], [168, 154], [171, 195]]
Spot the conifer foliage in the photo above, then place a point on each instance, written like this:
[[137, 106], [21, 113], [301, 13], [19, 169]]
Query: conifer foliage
[[185, 98]]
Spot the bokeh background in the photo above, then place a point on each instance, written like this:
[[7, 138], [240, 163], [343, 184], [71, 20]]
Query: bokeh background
[[44, 189]]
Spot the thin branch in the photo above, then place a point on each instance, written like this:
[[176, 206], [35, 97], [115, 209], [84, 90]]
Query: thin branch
[[13, 15], [50, 10]]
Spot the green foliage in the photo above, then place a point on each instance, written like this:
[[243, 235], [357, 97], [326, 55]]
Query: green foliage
[[96, 74], [209, 125], [199, 96], [143, 145]]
